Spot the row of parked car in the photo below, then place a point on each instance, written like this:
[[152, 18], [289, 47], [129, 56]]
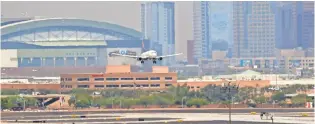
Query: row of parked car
[[34, 93], [13, 109], [20, 108]]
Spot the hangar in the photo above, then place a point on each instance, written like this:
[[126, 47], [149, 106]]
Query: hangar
[[64, 42]]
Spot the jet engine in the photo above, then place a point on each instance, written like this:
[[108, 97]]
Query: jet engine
[[139, 59], [160, 58]]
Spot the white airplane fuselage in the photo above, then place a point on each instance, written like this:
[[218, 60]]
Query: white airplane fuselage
[[151, 54]]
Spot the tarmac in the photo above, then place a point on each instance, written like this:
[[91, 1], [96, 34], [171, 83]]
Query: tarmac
[[163, 110], [205, 116]]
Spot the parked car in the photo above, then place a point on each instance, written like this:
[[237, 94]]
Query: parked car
[[17, 109], [6, 110], [42, 93]]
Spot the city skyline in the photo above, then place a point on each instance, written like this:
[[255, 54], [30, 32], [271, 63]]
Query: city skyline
[[178, 60], [282, 24], [112, 10]]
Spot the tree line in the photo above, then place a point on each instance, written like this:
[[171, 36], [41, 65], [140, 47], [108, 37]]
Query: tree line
[[174, 95]]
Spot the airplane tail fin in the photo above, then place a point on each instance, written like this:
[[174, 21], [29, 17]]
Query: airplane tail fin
[[143, 48]]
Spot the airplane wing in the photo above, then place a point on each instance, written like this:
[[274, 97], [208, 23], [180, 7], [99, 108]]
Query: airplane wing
[[129, 56], [169, 55]]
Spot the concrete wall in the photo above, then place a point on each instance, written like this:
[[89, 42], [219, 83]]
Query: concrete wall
[[160, 69], [293, 82], [55, 87], [102, 56], [9, 58], [74, 52], [118, 69], [49, 71]]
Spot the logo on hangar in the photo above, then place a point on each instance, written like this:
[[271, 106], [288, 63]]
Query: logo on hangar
[[122, 52]]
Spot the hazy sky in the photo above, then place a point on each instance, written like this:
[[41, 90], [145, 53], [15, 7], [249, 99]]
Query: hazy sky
[[123, 13]]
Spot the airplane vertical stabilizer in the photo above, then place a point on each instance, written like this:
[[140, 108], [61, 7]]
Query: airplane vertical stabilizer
[[143, 47]]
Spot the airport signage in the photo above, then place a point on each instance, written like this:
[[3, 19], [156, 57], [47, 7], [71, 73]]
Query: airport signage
[[122, 52], [295, 63], [246, 63]]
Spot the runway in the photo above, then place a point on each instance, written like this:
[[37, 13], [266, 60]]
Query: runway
[[215, 116], [166, 110]]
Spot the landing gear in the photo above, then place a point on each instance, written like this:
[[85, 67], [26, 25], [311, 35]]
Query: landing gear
[[154, 62], [142, 62]]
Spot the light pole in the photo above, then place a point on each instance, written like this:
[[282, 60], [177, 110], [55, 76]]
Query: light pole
[[23, 102], [111, 94], [212, 90], [75, 102], [183, 101], [232, 101], [228, 89], [120, 104], [112, 103]]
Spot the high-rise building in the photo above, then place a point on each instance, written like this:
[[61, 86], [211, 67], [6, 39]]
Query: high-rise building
[[190, 52], [294, 24], [221, 21], [306, 24], [286, 24], [212, 23], [201, 28], [158, 25], [254, 29]]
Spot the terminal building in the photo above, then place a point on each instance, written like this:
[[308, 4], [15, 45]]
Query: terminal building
[[67, 42], [120, 77]]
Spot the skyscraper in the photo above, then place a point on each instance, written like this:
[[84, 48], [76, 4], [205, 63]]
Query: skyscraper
[[158, 25], [201, 27], [306, 24], [212, 23], [190, 52], [254, 29], [221, 21], [286, 24], [294, 24]]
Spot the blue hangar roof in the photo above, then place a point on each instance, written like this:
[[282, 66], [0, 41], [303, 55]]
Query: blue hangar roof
[[25, 26]]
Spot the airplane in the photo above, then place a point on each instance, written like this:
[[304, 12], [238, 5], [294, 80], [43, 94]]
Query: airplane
[[148, 55]]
